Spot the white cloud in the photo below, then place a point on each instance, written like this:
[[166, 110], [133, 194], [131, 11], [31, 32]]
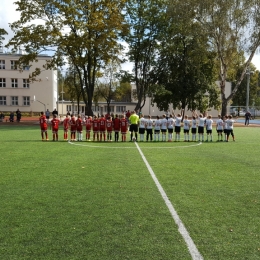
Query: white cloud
[[8, 14], [256, 60]]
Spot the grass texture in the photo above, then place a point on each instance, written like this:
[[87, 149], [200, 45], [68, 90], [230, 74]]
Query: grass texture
[[98, 201]]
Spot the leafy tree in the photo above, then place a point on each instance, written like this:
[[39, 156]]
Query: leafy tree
[[2, 32], [233, 27], [73, 87], [184, 72], [240, 97], [123, 92], [83, 31], [145, 19]]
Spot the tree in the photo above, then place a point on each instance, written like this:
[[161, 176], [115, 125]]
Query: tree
[[240, 97], [185, 75], [184, 72], [123, 92], [233, 27], [145, 19], [2, 32], [85, 32], [72, 84]]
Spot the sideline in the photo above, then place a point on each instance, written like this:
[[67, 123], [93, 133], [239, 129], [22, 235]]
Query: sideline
[[195, 254]]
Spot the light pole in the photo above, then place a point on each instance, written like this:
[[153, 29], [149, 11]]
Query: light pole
[[34, 99], [62, 92], [248, 72]]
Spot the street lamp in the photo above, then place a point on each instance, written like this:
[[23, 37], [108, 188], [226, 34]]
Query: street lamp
[[34, 99], [248, 72], [62, 92]]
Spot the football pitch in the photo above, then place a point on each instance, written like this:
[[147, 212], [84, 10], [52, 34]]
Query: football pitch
[[145, 200]]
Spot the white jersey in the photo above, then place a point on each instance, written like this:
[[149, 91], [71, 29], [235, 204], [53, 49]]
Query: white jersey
[[149, 124], [209, 123], [186, 124], [230, 124], [219, 124], [193, 123], [157, 124], [202, 121], [225, 124], [142, 122], [178, 121], [164, 123], [170, 123]]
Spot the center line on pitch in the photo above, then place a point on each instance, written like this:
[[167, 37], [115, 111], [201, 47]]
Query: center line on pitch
[[195, 254]]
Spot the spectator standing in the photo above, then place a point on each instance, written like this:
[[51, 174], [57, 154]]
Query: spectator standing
[[247, 117], [47, 114], [55, 112]]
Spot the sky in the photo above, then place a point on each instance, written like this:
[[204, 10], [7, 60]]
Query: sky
[[8, 14]]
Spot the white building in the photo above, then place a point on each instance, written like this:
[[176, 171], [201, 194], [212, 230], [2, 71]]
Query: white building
[[119, 107], [16, 92]]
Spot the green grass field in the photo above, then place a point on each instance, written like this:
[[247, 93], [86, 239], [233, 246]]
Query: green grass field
[[98, 200]]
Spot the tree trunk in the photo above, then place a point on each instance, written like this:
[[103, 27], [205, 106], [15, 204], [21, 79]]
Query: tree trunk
[[224, 107]]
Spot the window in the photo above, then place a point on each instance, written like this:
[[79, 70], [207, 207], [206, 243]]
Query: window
[[2, 65], [26, 67], [120, 108], [13, 65], [68, 108], [14, 101], [26, 101], [95, 108], [26, 83], [112, 109], [14, 83], [2, 100], [2, 83]]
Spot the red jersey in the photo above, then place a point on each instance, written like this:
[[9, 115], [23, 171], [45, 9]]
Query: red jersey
[[43, 122], [109, 125], [79, 124], [66, 123], [116, 124], [55, 124], [95, 125], [123, 125], [102, 124], [73, 126], [88, 124]]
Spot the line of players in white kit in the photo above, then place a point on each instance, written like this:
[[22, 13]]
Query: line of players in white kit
[[196, 126]]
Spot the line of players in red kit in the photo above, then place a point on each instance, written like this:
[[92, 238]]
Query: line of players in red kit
[[102, 127]]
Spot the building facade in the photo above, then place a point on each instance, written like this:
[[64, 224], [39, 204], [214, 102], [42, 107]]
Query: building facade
[[17, 92]]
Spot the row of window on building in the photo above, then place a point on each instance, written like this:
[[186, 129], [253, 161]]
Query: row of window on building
[[12, 65], [14, 101], [14, 83], [96, 109]]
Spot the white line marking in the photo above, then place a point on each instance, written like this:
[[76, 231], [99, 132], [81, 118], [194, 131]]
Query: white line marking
[[131, 147], [195, 254]]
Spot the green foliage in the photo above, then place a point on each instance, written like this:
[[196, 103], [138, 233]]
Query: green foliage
[[146, 19], [233, 28], [123, 92], [2, 32], [81, 31], [185, 68]]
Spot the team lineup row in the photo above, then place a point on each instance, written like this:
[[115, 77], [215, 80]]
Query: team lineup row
[[148, 129]]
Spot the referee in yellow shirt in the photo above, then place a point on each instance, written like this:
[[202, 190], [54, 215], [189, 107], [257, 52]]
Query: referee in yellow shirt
[[134, 118]]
